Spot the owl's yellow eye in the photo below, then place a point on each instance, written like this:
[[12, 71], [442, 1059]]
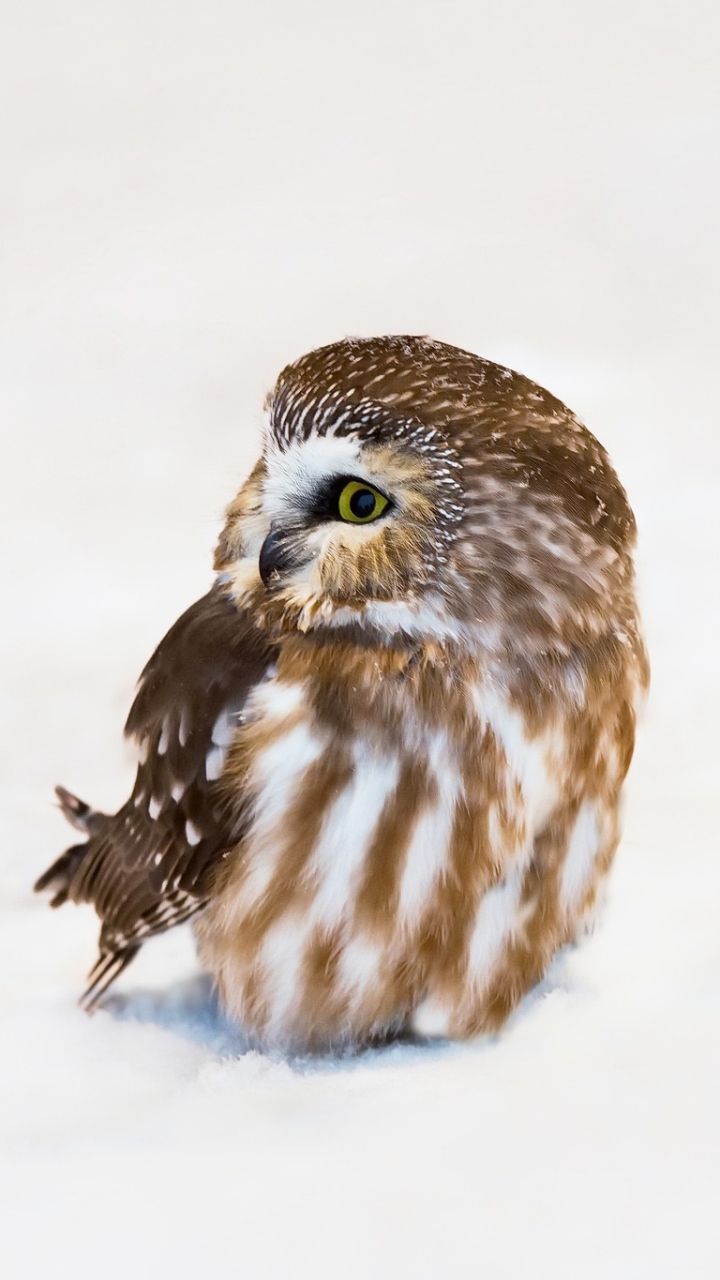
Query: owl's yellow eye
[[359, 503]]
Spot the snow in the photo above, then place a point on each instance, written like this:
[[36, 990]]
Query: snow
[[195, 193]]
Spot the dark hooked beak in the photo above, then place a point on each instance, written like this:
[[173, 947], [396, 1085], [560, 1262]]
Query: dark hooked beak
[[278, 552]]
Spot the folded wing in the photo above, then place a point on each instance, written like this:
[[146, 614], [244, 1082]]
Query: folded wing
[[150, 866]]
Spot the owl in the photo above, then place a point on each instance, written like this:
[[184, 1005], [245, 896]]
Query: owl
[[380, 762]]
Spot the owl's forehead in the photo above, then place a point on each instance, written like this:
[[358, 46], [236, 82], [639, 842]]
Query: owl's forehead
[[367, 388], [316, 425], [300, 466], [298, 414], [393, 454], [348, 410]]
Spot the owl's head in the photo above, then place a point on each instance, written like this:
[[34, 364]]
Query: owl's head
[[349, 517], [409, 488]]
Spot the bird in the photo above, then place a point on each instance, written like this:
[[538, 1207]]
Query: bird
[[380, 762]]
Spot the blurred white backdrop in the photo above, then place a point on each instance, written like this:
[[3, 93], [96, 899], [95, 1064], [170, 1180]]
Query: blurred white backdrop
[[193, 194]]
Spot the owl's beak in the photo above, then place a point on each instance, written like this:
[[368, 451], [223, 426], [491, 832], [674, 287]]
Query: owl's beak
[[278, 553]]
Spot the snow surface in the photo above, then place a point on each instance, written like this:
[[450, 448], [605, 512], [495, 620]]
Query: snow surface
[[196, 192]]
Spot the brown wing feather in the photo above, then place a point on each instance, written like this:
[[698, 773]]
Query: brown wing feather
[[149, 866]]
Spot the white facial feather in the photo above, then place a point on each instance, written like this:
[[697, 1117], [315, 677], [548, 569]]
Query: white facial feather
[[295, 474]]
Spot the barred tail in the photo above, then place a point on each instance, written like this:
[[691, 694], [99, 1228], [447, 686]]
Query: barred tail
[[107, 968]]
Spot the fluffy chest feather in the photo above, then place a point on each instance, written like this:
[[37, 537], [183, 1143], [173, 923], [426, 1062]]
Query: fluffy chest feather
[[381, 813]]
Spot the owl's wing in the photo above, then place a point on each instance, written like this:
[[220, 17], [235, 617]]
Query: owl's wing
[[150, 865]]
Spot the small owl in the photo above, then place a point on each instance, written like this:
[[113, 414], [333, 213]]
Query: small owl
[[380, 762]]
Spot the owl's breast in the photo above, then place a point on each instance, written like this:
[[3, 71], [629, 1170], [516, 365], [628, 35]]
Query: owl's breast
[[368, 851]]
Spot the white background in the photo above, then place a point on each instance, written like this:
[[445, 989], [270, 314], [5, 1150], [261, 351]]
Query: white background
[[194, 193]]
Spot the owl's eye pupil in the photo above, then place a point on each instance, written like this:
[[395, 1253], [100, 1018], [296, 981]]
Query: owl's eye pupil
[[359, 503], [362, 503]]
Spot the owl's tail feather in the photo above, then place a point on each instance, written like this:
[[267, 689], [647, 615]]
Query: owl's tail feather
[[108, 967], [59, 876]]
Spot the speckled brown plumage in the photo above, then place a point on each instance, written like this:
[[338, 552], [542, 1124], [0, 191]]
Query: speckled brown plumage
[[426, 720]]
